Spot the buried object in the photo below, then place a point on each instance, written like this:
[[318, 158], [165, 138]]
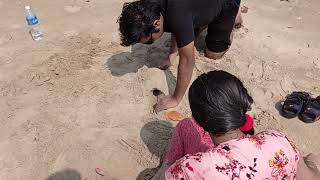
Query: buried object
[[174, 116]]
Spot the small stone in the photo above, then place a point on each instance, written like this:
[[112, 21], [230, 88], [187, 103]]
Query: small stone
[[47, 79], [24, 91], [51, 88], [6, 38], [317, 63], [72, 9]]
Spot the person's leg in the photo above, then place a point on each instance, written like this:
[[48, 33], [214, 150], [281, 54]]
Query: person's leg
[[308, 167], [313, 161], [238, 22], [198, 31], [219, 35]]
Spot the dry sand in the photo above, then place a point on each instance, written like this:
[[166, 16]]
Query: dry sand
[[78, 100]]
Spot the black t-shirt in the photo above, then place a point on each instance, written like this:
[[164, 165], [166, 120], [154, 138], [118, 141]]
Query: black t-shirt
[[181, 17]]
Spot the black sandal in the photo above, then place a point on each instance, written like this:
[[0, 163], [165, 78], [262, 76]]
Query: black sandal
[[311, 111], [294, 103]]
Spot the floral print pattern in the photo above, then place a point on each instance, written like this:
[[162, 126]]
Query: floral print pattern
[[176, 170], [267, 155], [232, 169], [278, 164], [258, 140]]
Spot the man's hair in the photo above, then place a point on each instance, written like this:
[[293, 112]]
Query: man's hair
[[136, 21], [219, 101]]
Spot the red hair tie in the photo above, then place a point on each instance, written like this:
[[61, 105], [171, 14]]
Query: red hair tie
[[249, 124]]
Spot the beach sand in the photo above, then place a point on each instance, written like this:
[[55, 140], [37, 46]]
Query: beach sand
[[77, 100]]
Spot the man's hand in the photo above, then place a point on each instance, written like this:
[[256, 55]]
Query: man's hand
[[165, 102]]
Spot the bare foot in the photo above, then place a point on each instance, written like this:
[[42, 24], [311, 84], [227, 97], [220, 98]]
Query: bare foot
[[238, 22], [214, 55], [165, 64]]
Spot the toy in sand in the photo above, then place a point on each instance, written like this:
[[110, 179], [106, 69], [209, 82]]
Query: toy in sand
[[174, 116]]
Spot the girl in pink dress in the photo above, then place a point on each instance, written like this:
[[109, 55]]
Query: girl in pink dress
[[212, 146], [190, 138]]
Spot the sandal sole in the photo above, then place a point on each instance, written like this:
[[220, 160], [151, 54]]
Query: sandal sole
[[288, 115], [308, 121]]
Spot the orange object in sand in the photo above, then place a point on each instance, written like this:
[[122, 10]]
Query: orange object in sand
[[174, 116]]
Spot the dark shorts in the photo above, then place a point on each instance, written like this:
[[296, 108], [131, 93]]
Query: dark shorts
[[220, 29]]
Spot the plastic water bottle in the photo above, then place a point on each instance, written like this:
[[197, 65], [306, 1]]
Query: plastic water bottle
[[32, 21]]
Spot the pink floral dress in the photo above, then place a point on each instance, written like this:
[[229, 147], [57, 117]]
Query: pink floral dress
[[268, 155]]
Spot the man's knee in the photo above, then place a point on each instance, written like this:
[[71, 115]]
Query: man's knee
[[214, 55]]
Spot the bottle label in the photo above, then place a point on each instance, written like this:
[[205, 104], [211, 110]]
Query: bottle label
[[32, 20]]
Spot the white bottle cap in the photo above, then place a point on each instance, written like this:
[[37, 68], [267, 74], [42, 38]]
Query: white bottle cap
[[27, 7]]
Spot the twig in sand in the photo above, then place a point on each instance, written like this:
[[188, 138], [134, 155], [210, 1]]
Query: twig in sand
[[127, 144]]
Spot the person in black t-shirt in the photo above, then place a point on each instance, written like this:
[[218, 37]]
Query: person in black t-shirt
[[145, 21]]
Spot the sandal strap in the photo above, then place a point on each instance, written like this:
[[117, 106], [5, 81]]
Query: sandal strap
[[313, 106], [298, 97]]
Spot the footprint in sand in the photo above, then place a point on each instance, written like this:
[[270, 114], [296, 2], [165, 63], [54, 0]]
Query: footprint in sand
[[261, 95], [316, 62], [255, 68], [72, 9], [286, 84], [5, 59], [5, 38], [70, 33]]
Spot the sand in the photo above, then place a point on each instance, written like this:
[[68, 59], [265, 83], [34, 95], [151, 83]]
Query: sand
[[78, 100]]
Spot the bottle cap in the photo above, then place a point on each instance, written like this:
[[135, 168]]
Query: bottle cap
[[27, 7]]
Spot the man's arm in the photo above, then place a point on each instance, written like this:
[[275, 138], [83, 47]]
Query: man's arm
[[185, 69]]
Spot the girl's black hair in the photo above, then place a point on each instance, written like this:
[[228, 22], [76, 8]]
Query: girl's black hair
[[219, 101]]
